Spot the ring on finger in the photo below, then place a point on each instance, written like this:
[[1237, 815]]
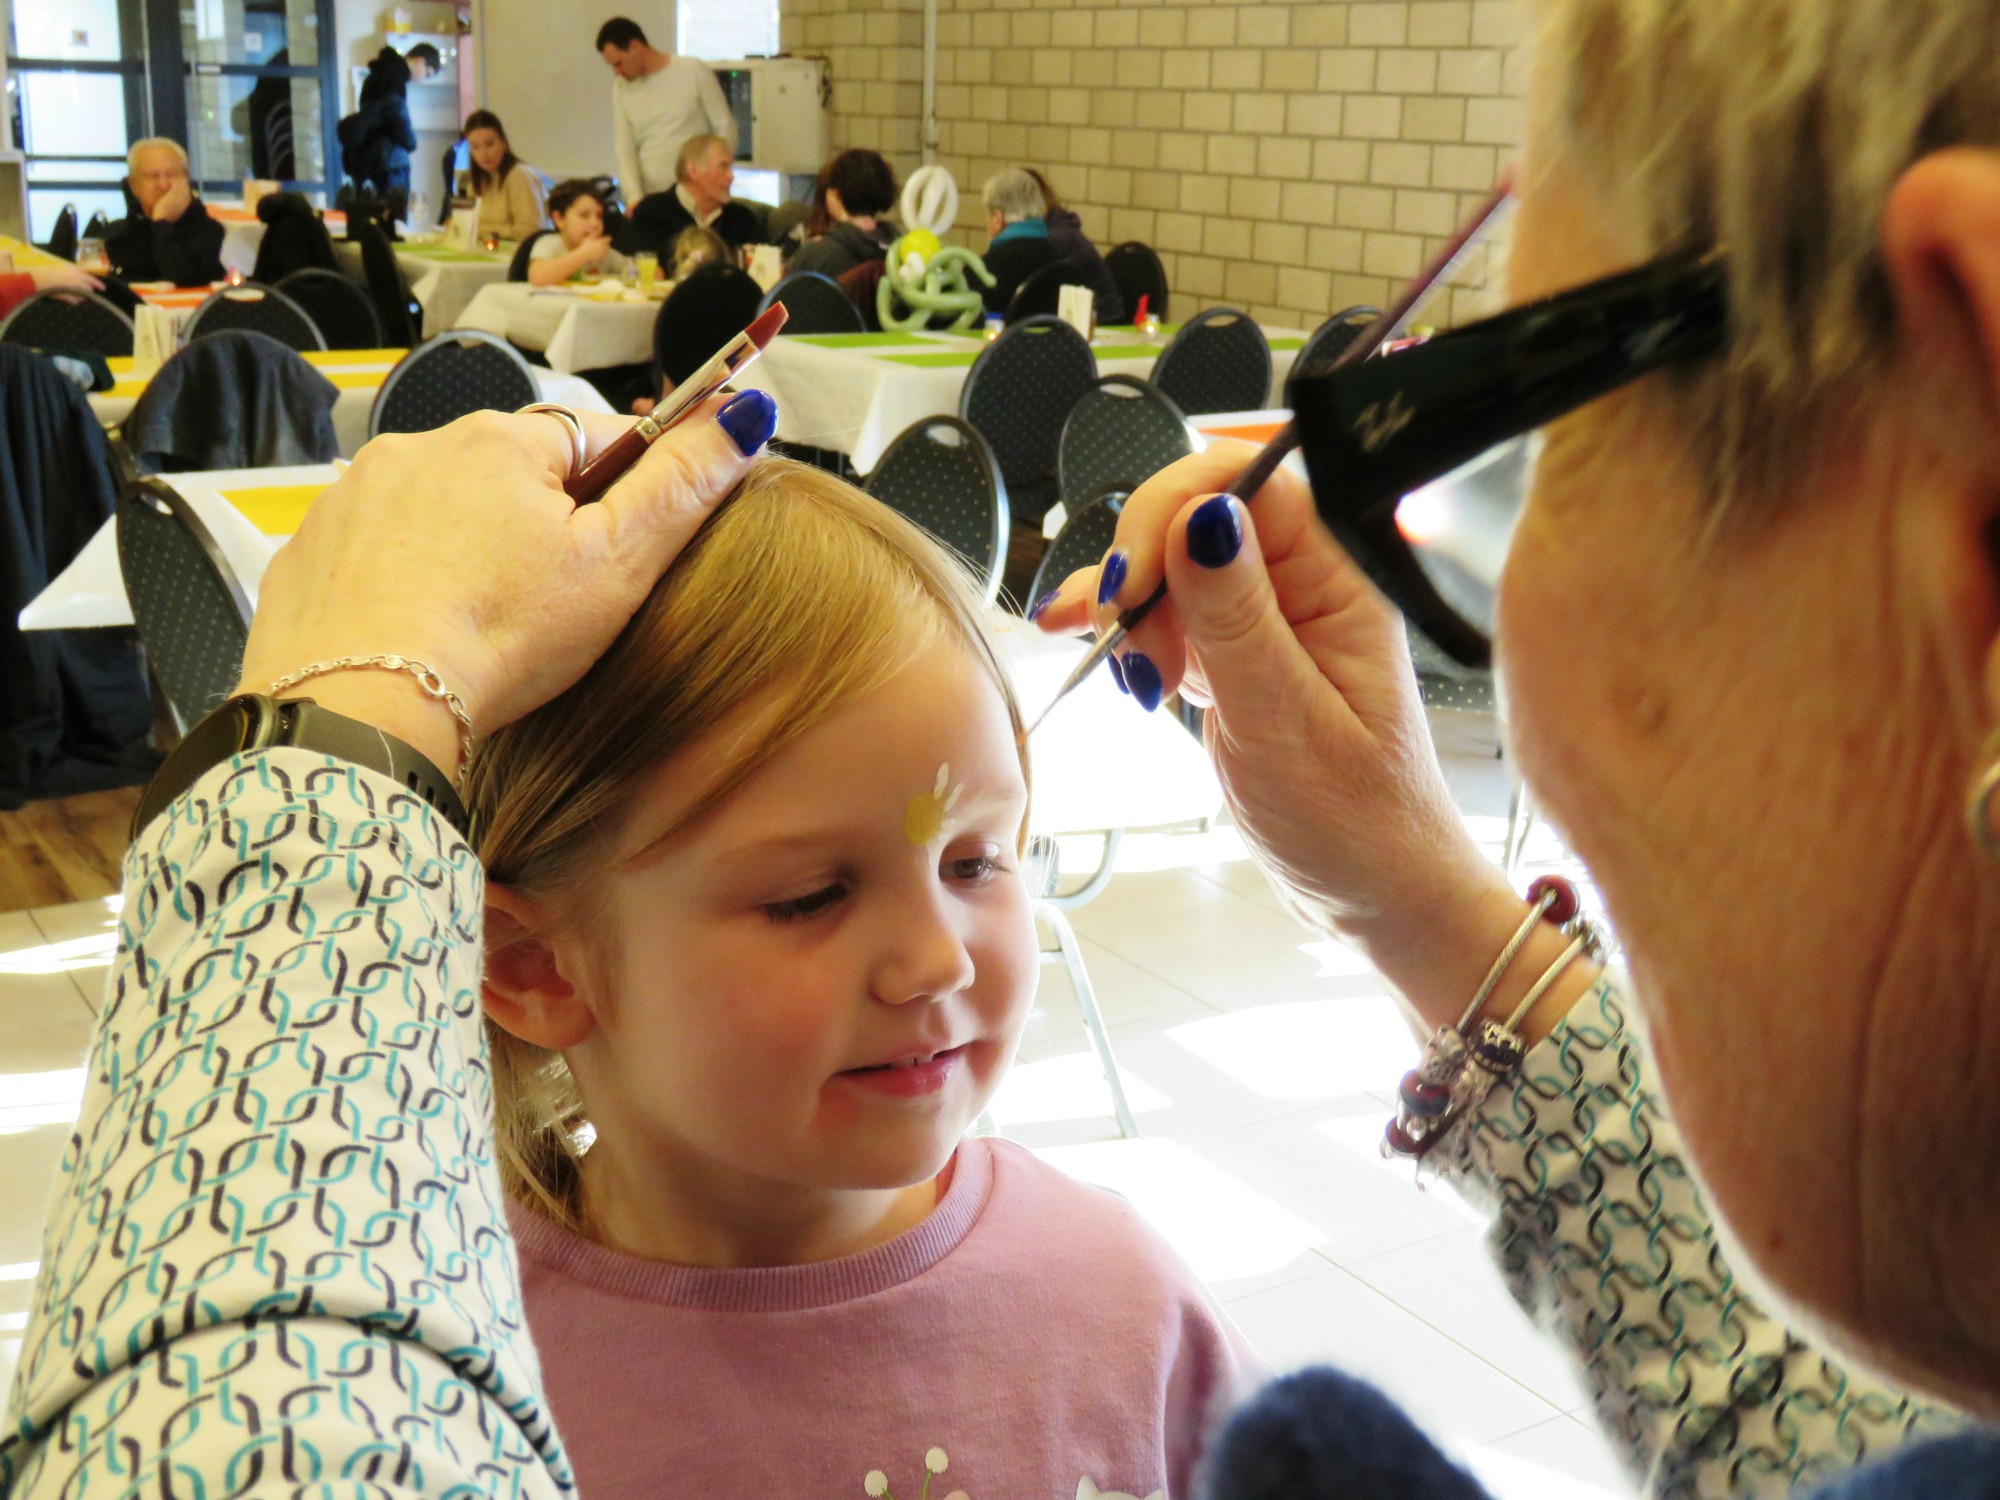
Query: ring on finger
[[563, 414]]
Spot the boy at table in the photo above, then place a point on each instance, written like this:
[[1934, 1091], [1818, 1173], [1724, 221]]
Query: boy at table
[[578, 245]]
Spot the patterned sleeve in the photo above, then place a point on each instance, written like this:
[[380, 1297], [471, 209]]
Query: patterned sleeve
[[1603, 1237], [277, 1254]]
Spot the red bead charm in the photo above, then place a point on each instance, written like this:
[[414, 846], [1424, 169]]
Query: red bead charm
[[1565, 905], [1422, 1098], [1401, 1141]]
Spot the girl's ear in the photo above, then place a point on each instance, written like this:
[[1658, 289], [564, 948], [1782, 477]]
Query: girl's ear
[[524, 988]]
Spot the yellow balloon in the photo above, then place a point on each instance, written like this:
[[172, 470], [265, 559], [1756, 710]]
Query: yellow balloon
[[920, 242]]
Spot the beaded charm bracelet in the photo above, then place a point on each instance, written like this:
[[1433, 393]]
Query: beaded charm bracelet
[[1462, 1063]]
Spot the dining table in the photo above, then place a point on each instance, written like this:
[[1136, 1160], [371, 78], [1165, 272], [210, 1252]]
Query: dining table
[[357, 374], [575, 326], [854, 392], [443, 277]]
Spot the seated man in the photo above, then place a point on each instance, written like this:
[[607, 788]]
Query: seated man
[[166, 234], [1015, 210], [703, 174]]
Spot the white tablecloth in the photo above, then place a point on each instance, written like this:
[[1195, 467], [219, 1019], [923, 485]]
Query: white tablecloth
[[856, 399], [573, 330], [351, 408], [442, 287]]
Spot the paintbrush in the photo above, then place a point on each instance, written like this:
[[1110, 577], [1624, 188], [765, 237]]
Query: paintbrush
[[590, 482], [1389, 324]]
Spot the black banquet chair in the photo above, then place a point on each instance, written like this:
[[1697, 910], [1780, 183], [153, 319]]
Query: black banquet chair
[[710, 306], [402, 316], [815, 303], [1219, 361], [1330, 340], [62, 239], [339, 307], [192, 614], [251, 308], [517, 268], [1040, 292], [1084, 539], [69, 318], [449, 377], [1120, 433], [1017, 396], [940, 474], [1136, 268]]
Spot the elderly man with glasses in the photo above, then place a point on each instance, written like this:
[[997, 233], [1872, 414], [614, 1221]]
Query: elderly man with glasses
[[166, 234]]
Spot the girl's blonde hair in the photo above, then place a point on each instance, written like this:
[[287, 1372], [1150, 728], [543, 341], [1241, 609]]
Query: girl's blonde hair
[[697, 246], [1776, 129], [801, 594]]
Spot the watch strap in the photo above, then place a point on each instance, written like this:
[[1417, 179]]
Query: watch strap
[[252, 722]]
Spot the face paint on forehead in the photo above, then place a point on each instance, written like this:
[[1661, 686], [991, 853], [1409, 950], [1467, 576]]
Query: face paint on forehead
[[924, 818]]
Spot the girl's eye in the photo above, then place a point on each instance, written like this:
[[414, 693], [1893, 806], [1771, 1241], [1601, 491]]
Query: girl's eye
[[802, 907], [972, 869]]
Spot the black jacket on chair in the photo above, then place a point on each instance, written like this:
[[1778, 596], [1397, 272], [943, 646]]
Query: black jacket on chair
[[74, 709], [233, 401], [295, 239], [186, 251]]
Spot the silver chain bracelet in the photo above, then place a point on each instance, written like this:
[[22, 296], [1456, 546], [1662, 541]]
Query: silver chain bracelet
[[427, 679]]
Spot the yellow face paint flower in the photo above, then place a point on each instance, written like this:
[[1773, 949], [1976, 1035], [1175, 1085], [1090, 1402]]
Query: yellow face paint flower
[[923, 819]]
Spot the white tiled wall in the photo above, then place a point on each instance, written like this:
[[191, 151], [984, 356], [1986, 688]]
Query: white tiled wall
[[1290, 159]]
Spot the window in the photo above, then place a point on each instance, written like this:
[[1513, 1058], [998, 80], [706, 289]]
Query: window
[[723, 29]]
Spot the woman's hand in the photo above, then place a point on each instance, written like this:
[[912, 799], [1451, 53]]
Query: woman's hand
[[459, 549], [1314, 722]]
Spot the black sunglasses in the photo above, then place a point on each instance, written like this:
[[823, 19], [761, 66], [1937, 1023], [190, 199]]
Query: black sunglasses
[[1376, 429]]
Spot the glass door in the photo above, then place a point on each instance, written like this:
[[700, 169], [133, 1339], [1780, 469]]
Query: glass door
[[247, 86]]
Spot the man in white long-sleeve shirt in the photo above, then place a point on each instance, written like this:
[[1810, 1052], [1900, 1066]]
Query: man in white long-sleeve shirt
[[657, 102]]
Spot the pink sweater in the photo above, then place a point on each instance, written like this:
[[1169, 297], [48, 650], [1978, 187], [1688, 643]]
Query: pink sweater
[[1032, 1339]]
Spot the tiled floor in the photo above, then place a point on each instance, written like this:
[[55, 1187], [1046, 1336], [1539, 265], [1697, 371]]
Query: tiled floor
[[1256, 1057]]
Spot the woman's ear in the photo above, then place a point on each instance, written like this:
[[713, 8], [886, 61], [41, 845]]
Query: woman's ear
[[524, 988], [1941, 251]]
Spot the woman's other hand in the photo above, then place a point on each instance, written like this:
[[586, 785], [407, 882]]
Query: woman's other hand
[[1314, 718], [458, 548]]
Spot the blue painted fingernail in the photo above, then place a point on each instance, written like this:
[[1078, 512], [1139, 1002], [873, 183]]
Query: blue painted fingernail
[[1112, 579], [749, 420], [1043, 603], [1117, 673], [1215, 532], [1142, 680]]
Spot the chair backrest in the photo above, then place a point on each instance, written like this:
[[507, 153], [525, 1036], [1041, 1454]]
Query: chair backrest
[[295, 239], [1040, 292], [98, 227], [192, 614], [251, 308], [1329, 341], [517, 268], [234, 400], [814, 303], [402, 318], [69, 318], [711, 306], [62, 239], [1017, 396], [1120, 433], [1219, 361], [447, 377], [339, 306], [940, 474], [1137, 270], [1084, 539]]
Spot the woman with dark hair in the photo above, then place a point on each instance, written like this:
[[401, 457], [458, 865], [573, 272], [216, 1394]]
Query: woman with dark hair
[[845, 229], [377, 139], [509, 194]]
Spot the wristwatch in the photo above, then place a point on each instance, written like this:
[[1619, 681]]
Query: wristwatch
[[252, 721]]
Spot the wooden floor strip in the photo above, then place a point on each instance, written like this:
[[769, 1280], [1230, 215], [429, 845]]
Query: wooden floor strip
[[64, 849]]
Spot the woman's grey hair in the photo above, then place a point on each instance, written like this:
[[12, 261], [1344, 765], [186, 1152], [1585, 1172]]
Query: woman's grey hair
[[153, 142], [1013, 195], [1777, 130]]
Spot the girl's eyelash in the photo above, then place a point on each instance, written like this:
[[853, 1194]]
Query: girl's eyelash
[[802, 907]]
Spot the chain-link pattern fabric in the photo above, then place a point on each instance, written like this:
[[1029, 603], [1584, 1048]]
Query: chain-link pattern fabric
[[278, 1256], [1602, 1234]]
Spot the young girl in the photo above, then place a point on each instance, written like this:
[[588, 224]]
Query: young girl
[[758, 952], [578, 243], [694, 247], [510, 199]]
